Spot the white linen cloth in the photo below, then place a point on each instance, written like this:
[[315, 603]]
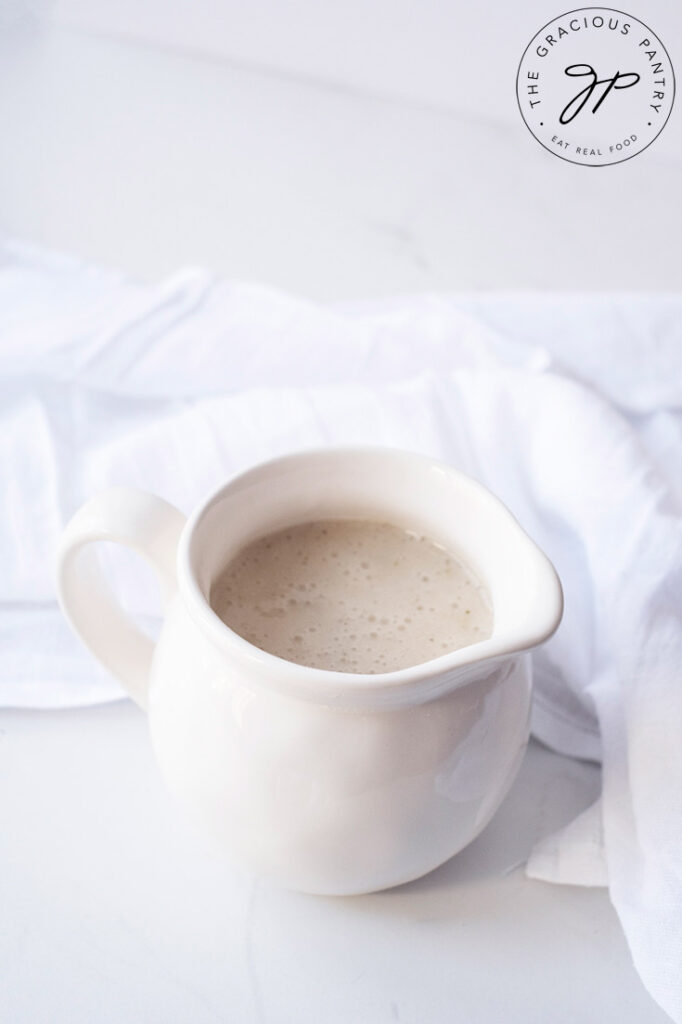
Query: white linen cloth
[[568, 407]]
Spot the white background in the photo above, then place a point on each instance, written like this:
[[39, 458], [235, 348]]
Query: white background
[[341, 150], [336, 149]]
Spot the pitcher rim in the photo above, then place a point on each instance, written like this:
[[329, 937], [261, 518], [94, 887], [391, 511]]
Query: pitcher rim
[[412, 684]]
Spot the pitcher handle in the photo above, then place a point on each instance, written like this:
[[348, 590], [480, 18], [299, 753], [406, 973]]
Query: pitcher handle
[[149, 526]]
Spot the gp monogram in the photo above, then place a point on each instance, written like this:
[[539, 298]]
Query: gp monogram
[[595, 86]]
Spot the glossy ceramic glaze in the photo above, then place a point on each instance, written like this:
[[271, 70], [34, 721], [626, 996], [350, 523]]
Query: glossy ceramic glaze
[[330, 782]]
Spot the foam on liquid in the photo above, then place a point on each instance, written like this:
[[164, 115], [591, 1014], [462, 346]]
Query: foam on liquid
[[352, 596]]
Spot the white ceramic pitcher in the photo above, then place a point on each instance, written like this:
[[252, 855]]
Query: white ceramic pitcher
[[331, 782]]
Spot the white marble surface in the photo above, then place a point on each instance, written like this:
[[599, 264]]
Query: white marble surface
[[339, 180], [115, 910], [342, 151]]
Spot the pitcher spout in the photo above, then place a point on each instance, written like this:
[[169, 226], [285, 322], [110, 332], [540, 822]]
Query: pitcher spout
[[524, 586]]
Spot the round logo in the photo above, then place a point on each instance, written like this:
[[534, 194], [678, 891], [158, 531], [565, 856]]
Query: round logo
[[595, 86]]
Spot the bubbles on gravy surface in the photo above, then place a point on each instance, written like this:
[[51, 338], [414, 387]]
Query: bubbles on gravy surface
[[352, 595]]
